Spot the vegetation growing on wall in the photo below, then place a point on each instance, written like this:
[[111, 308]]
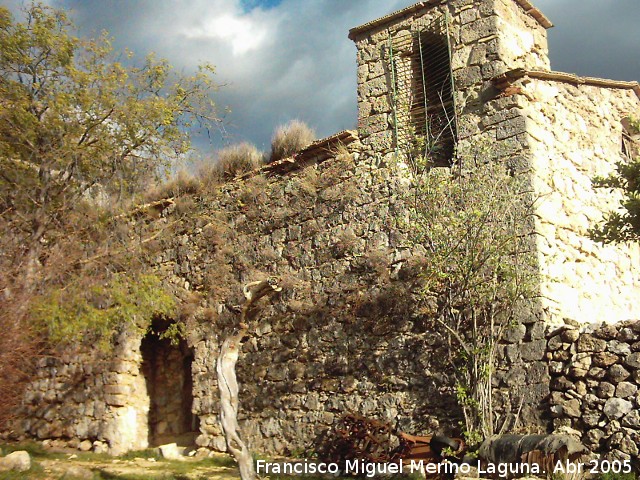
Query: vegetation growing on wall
[[73, 313], [474, 221], [290, 138], [81, 134], [623, 225]]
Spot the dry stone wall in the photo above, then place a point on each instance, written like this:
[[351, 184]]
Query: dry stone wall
[[595, 386], [348, 335], [345, 336], [89, 400]]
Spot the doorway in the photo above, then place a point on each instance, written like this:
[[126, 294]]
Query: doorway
[[167, 371]]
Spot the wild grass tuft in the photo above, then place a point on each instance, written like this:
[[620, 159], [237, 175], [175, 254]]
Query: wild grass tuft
[[290, 138]]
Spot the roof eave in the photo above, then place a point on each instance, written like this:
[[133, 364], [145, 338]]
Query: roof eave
[[526, 5], [507, 78]]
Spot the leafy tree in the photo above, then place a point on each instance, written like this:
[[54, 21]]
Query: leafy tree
[[623, 225], [474, 221], [75, 123], [76, 127]]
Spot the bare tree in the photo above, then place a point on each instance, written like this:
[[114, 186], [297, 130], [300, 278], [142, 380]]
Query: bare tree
[[227, 380]]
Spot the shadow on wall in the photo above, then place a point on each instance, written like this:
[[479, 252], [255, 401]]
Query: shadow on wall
[[167, 371]]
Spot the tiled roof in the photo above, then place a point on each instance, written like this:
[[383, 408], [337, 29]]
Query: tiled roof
[[525, 4], [508, 78], [317, 151]]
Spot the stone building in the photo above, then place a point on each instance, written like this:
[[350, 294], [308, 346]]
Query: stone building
[[458, 74]]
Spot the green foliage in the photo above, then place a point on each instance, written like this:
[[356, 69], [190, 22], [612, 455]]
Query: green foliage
[[75, 122], [622, 225], [474, 221], [73, 313], [618, 476]]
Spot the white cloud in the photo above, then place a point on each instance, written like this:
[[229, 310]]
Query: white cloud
[[243, 34]]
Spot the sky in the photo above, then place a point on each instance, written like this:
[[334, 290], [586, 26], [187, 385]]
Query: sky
[[280, 60]]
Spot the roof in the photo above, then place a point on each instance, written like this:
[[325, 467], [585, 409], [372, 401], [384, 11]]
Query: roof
[[525, 4], [318, 151], [506, 79]]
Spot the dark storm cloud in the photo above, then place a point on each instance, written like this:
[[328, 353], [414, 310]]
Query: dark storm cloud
[[598, 38], [292, 59]]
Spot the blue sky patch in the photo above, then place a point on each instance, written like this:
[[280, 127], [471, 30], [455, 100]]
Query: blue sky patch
[[249, 5]]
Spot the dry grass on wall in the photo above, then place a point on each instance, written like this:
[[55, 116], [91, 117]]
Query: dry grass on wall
[[290, 138], [237, 159]]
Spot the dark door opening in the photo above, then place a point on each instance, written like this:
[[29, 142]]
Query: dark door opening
[[167, 372]]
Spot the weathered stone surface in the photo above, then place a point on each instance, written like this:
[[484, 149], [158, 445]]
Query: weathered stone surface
[[616, 408], [632, 420], [19, 461], [591, 419], [533, 350], [572, 408], [617, 373], [515, 334], [626, 390], [85, 445], [605, 359], [606, 390], [589, 343], [633, 360], [170, 451]]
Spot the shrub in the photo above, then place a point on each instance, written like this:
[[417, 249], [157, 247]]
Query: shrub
[[290, 138], [474, 222], [238, 159], [182, 183]]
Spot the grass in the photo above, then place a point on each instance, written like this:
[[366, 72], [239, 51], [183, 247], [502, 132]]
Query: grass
[[161, 469], [290, 138]]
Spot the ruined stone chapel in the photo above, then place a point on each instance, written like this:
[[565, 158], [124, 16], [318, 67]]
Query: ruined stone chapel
[[464, 73]]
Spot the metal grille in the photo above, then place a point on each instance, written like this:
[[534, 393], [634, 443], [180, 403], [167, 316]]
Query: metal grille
[[423, 100]]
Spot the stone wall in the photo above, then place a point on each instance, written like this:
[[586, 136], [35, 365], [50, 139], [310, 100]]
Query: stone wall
[[595, 382], [89, 400], [346, 335], [575, 134]]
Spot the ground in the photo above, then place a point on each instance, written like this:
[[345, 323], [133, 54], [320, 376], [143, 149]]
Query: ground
[[144, 465]]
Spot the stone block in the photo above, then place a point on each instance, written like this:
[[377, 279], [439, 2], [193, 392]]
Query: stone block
[[466, 77], [170, 451], [534, 350], [617, 374], [605, 359], [606, 390], [482, 28], [633, 360], [616, 408], [19, 461], [515, 333], [626, 390], [589, 343]]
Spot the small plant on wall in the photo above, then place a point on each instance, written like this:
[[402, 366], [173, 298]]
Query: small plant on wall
[[623, 225]]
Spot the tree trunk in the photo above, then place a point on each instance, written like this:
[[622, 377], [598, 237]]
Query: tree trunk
[[227, 380], [228, 384]]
